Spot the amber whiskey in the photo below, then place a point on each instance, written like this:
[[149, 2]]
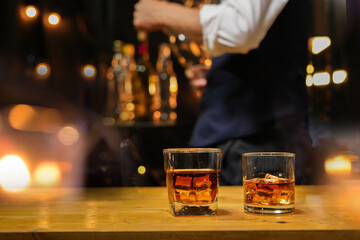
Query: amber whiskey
[[269, 192], [193, 190]]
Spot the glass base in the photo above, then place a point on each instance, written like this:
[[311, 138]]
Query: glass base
[[179, 209], [271, 210]]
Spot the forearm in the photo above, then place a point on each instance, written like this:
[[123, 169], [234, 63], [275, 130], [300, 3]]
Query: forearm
[[181, 20], [152, 15]]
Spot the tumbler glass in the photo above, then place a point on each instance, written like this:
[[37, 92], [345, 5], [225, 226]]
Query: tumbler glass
[[269, 182], [192, 179]]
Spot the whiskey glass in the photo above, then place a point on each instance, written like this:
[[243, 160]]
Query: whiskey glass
[[269, 182], [192, 180]]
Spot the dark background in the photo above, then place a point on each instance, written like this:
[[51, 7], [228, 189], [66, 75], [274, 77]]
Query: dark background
[[85, 36]]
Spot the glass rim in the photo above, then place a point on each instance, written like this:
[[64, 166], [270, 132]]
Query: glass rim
[[192, 150], [269, 154]]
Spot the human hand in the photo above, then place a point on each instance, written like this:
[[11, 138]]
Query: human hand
[[197, 76], [147, 15]]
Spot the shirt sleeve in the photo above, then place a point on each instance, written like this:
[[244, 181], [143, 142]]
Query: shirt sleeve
[[237, 26]]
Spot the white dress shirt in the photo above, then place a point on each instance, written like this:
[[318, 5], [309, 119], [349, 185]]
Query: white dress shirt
[[237, 26]]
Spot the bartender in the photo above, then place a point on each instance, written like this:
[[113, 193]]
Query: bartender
[[255, 95]]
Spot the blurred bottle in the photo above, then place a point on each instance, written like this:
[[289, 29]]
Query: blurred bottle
[[112, 109], [145, 71], [166, 87], [132, 93]]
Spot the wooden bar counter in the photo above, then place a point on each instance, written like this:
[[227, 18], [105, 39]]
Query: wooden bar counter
[[322, 212]]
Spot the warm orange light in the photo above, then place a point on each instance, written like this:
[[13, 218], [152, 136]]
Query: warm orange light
[[207, 62], [47, 174], [54, 19], [124, 116], [31, 11], [173, 102], [131, 116], [172, 39], [339, 165], [42, 70], [21, 115], [152, 84], [14, 175], [173, 116], [182, 60], [156, 115], [152, 88], [68, 135], [173, 87], [310, 69], [32, 118], [88, 71], [194, 48], [141, 170], [130, 107]]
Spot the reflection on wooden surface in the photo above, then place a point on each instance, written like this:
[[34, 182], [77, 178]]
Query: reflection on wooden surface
[[322, 212]]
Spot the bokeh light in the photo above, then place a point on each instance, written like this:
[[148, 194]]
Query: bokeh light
[[47, 174], [54, 19], [310, 69], [309, 80], [130, 107], [173, 116], [21, 115], [156, 115], [319, 44], [339, 165], [173, 87], [68, 135], [339, 76], [31, 11], [42, 70], [14, 175], [321, 79], [207, 62], [141, 170], [88, 71], [195, 49], [24, 117]]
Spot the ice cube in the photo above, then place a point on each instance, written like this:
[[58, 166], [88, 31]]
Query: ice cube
[[187, 197], [261, 200], [183, 182], [282, 197], [182, 189], [204, 196], [202, 183], [271, 178], [203, 189]]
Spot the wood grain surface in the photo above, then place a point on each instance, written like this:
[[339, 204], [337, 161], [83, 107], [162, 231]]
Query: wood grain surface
[[322, 212]]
